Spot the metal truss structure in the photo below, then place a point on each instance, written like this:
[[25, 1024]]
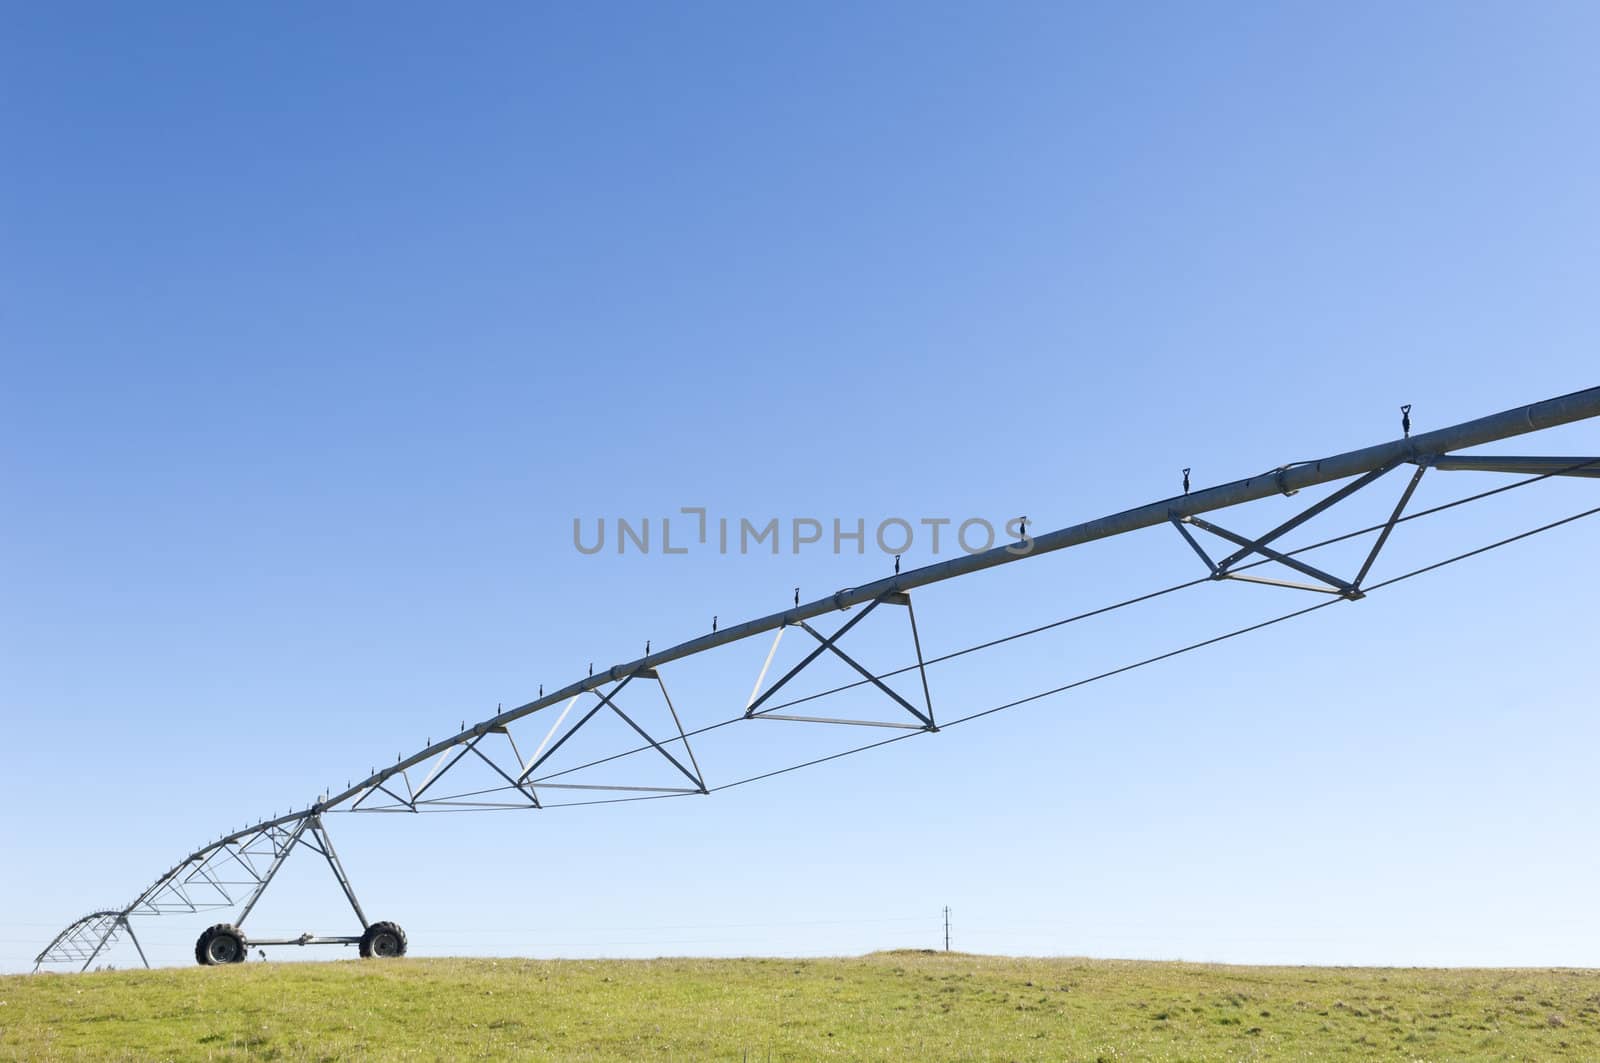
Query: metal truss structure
[[86, 937], [235, 870]]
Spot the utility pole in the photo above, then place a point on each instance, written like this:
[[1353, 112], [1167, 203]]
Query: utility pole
[[947, 928]]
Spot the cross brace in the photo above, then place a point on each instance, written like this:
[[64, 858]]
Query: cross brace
[[830, 644], [1326, 582], [547, 749]]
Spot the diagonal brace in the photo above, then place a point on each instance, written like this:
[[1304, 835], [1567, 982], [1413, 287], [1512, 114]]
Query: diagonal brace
[[278, 858], [682, 736], [830, 644], [922, 669], [1188, 537], [525, 791], [827, 644], [1394, 518], [1255, 546], [1304, 515], [659, 748], [605, 699], [868, 676], [326, 847]]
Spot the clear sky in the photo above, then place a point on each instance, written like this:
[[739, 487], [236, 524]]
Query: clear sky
[[321, 324]]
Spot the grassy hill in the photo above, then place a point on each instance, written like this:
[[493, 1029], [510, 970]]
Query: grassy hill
[[889, 1006]]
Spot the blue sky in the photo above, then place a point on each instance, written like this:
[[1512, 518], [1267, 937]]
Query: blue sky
[[321, 325]]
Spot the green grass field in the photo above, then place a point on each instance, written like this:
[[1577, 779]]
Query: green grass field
[[891, 1006]]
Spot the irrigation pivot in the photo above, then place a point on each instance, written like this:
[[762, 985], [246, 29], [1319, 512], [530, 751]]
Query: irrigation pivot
[[236, 869]]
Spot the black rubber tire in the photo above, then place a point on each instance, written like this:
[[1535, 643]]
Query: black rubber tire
[[383, 940], [220, 944]]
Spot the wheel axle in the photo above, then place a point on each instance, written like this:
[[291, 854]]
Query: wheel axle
[[226, 943]]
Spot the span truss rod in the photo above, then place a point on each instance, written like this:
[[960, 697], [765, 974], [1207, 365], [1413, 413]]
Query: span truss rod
[[1574, 466], [1168, 655]]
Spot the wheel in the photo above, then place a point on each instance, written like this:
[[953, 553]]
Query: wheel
[[223, 943], [383, 940]]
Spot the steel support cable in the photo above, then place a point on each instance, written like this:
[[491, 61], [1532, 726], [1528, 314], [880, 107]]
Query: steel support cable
[[898, 671], [1213, 640], [1184, 586], [1170, 653], [1042, 694], [1137, 599]]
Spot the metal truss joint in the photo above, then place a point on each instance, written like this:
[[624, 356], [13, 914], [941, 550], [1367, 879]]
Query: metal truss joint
[[1283, 489]]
